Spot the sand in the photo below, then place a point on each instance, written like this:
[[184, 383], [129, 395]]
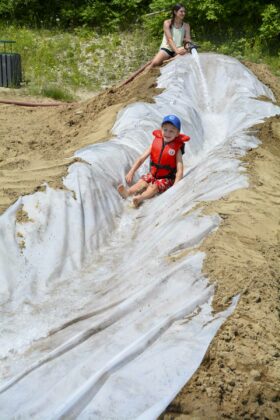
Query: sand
[[239, 377]]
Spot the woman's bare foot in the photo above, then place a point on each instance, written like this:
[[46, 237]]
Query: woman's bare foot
[[122, 191]]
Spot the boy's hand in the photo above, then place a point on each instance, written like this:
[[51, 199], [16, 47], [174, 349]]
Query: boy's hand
[[129, 177], [136, 165]]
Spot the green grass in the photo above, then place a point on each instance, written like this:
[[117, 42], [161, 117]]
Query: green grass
[[56, 92], [61, 64]]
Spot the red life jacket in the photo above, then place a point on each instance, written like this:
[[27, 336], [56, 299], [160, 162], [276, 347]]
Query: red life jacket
[[163, 155]]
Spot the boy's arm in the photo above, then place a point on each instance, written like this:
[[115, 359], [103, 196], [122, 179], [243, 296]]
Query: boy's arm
[[180, 167], [137, 164]]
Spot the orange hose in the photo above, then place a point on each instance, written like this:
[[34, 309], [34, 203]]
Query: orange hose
[[7, 102], [135, 74]]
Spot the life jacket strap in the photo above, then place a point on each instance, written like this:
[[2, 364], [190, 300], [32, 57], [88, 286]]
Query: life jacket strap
[[172, 171], [159, 166]]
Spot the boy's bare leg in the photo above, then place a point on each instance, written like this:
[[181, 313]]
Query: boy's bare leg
[[150, 192], [126, 192]]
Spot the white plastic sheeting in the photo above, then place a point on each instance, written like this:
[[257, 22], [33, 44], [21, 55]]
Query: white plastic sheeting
[[105, 313]]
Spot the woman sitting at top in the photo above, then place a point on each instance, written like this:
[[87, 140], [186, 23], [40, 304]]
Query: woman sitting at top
[[175, 38]]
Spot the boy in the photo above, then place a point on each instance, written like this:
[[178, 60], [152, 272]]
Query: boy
[[166, 163]]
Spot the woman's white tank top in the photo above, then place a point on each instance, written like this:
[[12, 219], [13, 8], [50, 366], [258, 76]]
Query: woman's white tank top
[[178, 38]]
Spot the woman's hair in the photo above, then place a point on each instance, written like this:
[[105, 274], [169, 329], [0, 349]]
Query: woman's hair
[[175, 9]]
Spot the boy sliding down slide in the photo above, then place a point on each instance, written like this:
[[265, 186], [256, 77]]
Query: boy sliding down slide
[[166, 163]]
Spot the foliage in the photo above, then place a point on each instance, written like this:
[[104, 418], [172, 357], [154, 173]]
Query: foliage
[[107, 15], [270, 27], [209, 10]]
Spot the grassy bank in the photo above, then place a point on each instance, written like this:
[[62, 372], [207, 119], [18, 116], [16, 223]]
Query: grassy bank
[[63, 65], [67, 65]]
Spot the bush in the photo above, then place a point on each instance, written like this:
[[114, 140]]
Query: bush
[[270, 27]]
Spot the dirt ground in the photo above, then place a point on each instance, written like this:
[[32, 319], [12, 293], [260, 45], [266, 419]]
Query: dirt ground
[[239, 376]]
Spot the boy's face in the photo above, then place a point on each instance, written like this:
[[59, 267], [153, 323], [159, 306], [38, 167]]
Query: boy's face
[[169, 132]]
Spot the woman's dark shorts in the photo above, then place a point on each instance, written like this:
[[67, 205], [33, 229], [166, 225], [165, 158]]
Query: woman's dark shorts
[[170, 53]]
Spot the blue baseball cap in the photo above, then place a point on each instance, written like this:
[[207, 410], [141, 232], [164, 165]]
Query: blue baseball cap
[[172, 119]]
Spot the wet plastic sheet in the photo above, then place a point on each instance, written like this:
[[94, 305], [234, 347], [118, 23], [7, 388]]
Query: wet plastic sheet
[[105, 312]]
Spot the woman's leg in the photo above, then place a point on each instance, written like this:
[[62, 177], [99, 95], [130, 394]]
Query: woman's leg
[[150, 192], [136, 188], [159, 58]]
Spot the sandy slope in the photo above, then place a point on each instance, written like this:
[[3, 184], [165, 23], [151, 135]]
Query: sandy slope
[[37, 144], [239, 377]]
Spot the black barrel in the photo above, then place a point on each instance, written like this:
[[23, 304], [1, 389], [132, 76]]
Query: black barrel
[[10, 70]]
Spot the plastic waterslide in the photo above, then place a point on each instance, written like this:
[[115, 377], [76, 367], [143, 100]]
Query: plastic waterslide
[[105, 312]]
